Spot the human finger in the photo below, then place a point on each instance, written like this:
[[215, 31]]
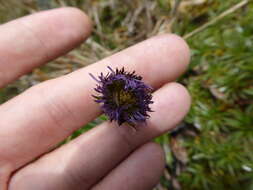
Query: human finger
[[87, 159], [34, 40], [140, 171], [49, 112]]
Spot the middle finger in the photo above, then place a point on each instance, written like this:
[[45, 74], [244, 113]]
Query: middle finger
[[45, 115]]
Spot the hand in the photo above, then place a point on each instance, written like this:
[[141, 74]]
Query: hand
[[31, 124]]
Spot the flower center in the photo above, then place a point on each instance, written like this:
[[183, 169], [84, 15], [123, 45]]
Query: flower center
[[123, 97], [120, 96]]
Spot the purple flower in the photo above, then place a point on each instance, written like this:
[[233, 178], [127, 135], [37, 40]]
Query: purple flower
[[123, 96]]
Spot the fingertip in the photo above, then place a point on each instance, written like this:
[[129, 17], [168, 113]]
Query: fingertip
[[71, 23], [173, 103], [180, 48], [153, 161], [156, 154], [182, 94], [181, 97], [59, 29], [166, 57]]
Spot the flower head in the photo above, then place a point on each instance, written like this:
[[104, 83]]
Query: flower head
[[123, 96]]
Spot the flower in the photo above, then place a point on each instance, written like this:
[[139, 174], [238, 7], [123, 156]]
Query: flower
[[123, 96]]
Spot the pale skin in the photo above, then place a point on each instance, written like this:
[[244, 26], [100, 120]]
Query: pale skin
[[33, 123]]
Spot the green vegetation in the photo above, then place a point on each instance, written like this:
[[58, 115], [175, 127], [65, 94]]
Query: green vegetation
[[212, 148]]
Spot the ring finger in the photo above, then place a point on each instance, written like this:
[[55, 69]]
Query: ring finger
[[87, 159]]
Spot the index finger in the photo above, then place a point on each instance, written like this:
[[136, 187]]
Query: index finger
[[34, 40]]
